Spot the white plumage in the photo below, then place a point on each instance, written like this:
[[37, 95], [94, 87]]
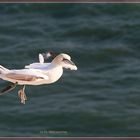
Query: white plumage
[[38, 73]]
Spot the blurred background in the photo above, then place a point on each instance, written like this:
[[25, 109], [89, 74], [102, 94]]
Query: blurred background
[[101, 98]]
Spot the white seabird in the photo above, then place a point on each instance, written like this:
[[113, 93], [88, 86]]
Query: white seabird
[[36, 73]]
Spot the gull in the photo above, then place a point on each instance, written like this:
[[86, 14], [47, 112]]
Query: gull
[[36, 73]]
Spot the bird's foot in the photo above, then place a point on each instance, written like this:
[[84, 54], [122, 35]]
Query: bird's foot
[[22, 95]]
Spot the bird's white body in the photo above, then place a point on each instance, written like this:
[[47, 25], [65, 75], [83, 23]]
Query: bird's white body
[[33, 76], [38, 73]]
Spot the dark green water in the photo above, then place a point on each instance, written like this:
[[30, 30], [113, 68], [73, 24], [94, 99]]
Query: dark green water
[[102, 98]]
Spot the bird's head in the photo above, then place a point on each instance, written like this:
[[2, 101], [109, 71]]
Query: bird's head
[[65, 61]]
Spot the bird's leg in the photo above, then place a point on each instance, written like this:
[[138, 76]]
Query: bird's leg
[[22, 95], [8, 88]]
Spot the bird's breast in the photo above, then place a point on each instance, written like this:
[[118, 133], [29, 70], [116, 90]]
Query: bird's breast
[[54, 74]]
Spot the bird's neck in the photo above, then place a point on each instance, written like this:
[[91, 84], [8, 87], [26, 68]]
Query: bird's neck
[[55, 72]]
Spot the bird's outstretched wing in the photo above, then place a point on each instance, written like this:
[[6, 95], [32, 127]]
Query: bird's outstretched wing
[[8, 88], [23, 77], [27, 75], [42, 58], [49, 54], [37, 66]]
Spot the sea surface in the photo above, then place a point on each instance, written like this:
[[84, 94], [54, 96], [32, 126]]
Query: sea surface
[[101, 98]]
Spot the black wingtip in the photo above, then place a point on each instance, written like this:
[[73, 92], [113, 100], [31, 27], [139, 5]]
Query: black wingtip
[[49, 54], [7, 89]]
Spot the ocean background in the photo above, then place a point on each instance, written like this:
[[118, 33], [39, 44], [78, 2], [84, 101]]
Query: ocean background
[[101, 98]]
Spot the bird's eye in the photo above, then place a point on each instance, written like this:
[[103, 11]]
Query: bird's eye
[[64, 59]]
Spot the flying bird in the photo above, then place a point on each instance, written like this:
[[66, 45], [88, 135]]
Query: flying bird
[[36, 73]]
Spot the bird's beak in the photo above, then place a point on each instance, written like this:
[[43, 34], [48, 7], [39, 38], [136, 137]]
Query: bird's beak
[[73, 66]]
